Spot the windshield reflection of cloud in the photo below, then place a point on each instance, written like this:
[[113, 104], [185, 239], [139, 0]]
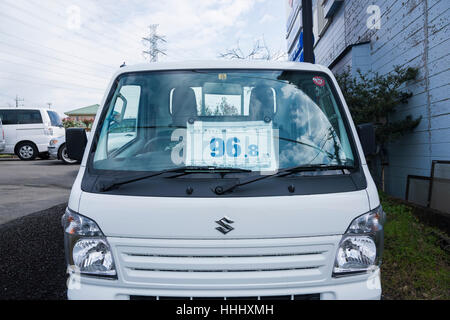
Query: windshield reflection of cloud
[[313, 128]]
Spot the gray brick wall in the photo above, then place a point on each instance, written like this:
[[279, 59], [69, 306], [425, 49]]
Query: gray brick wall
[[413, 33]]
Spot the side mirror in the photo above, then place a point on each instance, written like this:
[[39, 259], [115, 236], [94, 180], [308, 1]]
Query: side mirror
[[366, 133], [76, 141]]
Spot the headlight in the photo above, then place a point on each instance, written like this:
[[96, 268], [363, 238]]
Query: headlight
[[53, 142], [86, 246], [361, 247]]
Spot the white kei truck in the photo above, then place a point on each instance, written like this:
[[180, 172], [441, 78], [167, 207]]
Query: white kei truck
[[225, 180]]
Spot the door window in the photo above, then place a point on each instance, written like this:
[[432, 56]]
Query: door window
[[29, 116], [9, 117], [123, 118]]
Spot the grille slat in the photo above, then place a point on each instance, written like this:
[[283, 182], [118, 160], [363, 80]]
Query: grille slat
[[221, 264], [212, 279], [223, 256], [222, 250]]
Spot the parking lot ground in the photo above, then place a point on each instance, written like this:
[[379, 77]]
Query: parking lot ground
[[32, 260], [32, 264], [28, 187]]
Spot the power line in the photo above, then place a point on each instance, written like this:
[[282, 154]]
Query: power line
[[100, 20], [71, 87], [13, 99], [153, 40], [50, 71], [36, 44], [136, 25], [57, 26], [44, 55], [5, 55]]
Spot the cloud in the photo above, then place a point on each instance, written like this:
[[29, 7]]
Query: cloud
[[267, 18], [48, 54]]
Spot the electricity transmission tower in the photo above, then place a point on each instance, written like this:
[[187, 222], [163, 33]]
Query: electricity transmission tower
[[18, 101], [152, 42]]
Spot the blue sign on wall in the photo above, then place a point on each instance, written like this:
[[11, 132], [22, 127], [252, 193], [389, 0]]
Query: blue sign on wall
[[297, 53]]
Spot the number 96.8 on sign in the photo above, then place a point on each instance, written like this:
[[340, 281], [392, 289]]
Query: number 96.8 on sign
[[231, 147]]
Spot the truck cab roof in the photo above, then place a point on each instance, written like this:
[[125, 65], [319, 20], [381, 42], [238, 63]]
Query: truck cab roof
[[224, 64]]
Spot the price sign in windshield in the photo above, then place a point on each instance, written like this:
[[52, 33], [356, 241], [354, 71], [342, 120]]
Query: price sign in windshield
[[245, 145]]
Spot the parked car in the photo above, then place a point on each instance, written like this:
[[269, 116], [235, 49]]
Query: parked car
[[29, 131], [2, 137], [57, 149], [239, 179]]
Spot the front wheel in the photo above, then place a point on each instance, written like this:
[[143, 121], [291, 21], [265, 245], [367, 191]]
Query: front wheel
[[64, 156], [27, 151]]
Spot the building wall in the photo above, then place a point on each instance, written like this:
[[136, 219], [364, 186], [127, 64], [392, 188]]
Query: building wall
[[333, 41], [413, 33]]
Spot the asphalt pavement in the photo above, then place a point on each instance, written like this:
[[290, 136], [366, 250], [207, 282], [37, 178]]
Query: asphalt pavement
[[30, 186], [32, 264], [33, 197]]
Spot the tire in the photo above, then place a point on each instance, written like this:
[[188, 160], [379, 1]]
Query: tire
[[27, 151], [62, 154]]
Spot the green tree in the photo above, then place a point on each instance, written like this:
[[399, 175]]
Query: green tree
[[224, 108], [374, 98]]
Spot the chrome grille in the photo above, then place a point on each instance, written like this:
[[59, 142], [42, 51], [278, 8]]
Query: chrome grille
[[224, 263]]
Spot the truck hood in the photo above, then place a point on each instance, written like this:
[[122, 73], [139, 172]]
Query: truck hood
[[205, 218]]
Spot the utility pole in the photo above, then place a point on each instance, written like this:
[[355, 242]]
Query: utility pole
[[308, 45], [152, 42], [18, 100], [49, 105]]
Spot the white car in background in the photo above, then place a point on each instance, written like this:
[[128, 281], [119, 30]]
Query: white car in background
[[57, 149], [2, 137], [28, 131]]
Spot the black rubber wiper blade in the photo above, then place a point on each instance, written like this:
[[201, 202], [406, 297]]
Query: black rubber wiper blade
[[283, 172], [184, 170], [114, 184], [315, 167], [208, 169], [212, 169]]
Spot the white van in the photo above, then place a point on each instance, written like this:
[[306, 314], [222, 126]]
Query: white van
[[28, 131], [2, 136], [223, 180]]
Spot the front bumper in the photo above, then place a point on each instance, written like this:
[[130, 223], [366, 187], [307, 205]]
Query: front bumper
[[226, 269], [359, 288], [53, 152]]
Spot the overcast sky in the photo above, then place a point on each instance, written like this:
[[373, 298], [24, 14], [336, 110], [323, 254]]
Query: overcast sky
[[47, 54]]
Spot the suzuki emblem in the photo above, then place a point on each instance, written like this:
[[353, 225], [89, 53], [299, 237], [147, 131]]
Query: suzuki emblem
[[224, 224]]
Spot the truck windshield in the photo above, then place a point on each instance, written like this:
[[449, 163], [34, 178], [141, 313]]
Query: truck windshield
[[252, 120]]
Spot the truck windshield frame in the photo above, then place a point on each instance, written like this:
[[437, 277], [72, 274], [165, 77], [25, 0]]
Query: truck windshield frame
[[336, 153]]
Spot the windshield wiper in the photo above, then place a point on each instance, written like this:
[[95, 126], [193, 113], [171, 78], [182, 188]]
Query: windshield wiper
[[313, 167], [183, 170], [209, 169], [283, 172], [330, 155]]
